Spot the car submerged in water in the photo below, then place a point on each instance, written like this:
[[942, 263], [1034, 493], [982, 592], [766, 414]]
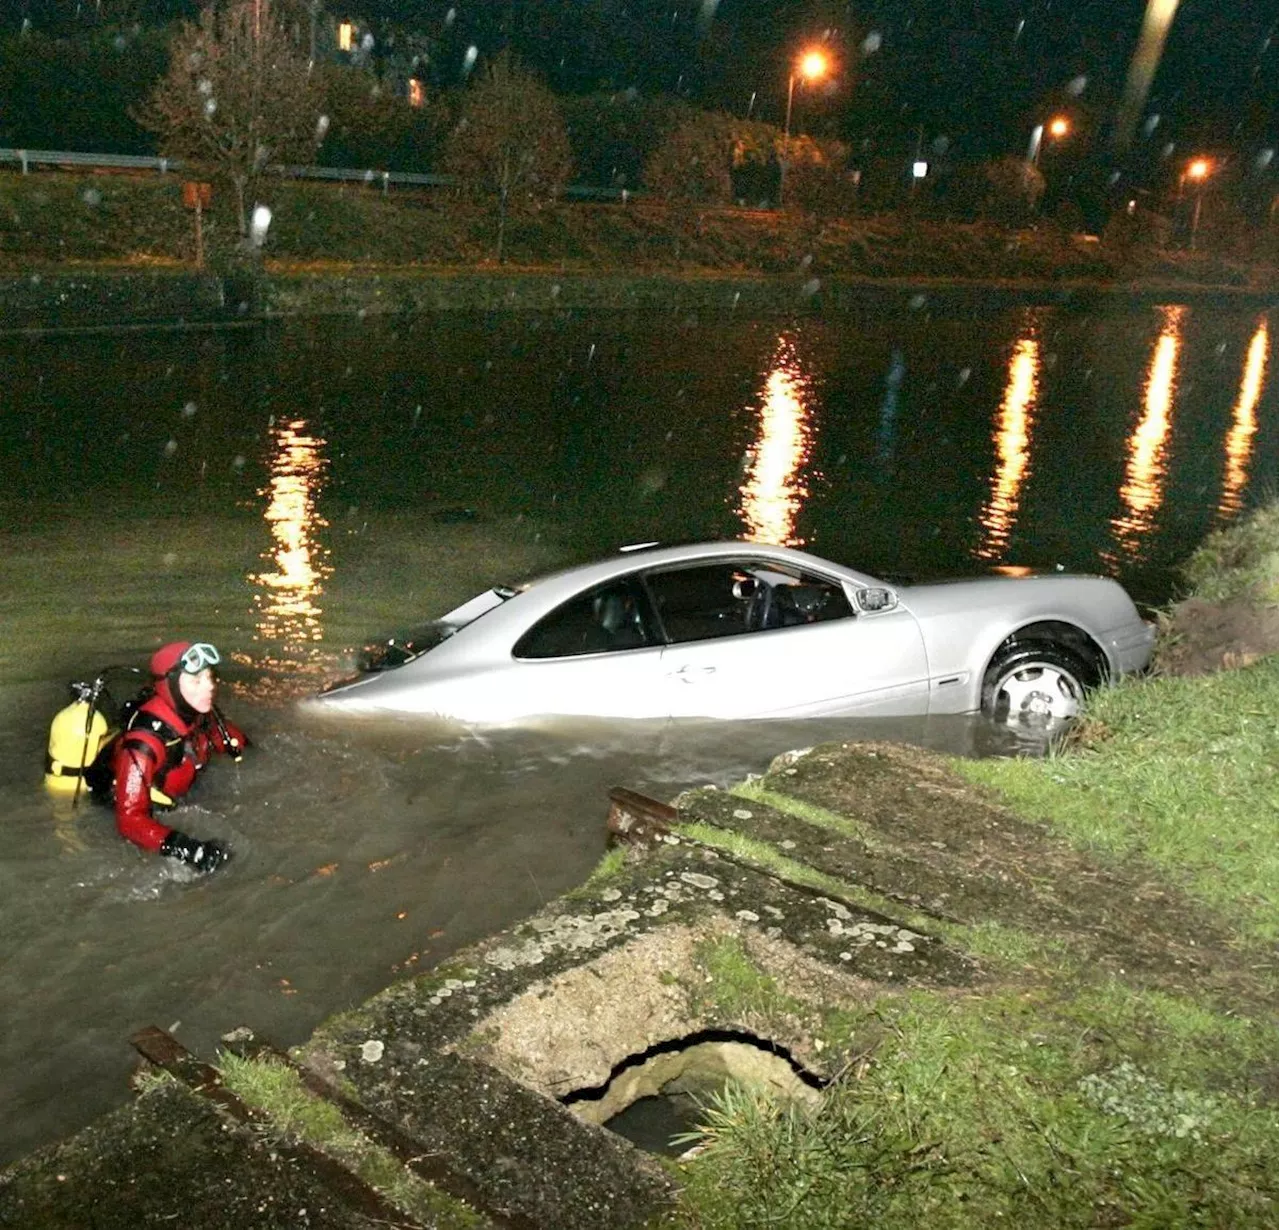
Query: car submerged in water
[[740, 630]]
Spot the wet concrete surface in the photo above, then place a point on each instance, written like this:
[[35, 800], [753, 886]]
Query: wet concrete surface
[[169, 1158]]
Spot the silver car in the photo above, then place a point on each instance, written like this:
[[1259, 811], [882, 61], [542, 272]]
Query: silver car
[[744, 630]]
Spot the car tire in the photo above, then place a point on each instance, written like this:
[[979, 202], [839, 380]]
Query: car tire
[[1035, 683]]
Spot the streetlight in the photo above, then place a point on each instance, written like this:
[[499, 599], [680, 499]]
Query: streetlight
[[1059, 126], [1198, 170], [811, 66]]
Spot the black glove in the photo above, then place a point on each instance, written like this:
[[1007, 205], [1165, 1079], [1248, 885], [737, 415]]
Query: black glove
[[205, 856]]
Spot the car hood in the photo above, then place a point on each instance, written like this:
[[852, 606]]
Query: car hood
[[1099, 602]]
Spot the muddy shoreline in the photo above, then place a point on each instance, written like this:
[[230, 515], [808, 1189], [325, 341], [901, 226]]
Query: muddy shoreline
[[112, 297]]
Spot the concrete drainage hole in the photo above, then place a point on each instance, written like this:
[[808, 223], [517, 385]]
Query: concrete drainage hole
[[654, 1096]]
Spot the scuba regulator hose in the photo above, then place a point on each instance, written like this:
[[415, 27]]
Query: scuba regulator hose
[[231, 745]]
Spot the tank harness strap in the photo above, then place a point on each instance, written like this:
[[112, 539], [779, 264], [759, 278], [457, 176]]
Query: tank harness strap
[[160, 750], [58, 769]]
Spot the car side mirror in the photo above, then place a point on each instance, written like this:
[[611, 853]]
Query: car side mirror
[[875, 598]]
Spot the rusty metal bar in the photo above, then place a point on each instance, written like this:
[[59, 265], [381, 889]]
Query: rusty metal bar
[[637, 819]]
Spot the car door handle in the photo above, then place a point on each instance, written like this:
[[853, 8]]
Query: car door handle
[[690, 674]]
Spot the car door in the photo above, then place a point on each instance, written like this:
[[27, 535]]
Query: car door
[[596, 654], [753, 638]]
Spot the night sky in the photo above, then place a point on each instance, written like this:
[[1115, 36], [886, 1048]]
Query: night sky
[[976, 72], [969, 75]]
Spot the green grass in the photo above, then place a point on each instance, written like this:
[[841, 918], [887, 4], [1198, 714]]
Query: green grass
[[1178, 771], [1001, 948], [1241, 561], [149, 1079], [94, 217], [1184, 776], [607, 871], [295, 1113], [739, 989], [810, 813], [1005, 1109], [766, 858], [1062, 1098]]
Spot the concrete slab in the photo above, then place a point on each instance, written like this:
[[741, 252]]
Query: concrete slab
[[169, 1158]]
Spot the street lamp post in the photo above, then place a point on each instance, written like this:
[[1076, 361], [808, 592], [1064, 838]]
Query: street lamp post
[[812, 65], [1059, 126], [1197, 171]]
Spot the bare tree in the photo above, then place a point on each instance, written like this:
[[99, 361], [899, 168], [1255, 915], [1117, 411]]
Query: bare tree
[[237, 98], [510, 142]]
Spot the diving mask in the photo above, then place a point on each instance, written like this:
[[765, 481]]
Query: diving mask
[[198, 656]]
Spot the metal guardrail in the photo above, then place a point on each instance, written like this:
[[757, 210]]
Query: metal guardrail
[[46, 157], [352, 175], [28, 158]]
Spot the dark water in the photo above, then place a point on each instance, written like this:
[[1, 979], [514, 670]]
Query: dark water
[[658, 1123], [286, 491]]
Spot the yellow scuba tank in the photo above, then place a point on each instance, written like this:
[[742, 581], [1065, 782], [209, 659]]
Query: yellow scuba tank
[[76, 736]]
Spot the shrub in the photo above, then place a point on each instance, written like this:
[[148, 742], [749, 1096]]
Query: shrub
[[695, 162], [816, 180], [613, 135], [1139, 228], [1013, 190]]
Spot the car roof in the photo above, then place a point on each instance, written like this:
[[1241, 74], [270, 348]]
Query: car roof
[[507, 619], [579, 576]]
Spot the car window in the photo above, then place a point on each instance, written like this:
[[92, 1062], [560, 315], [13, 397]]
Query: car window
[[700, 602], [602, 620], [735, 596], [805, 598]]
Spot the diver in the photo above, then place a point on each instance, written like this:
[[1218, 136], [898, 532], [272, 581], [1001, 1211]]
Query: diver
[[167, 740]]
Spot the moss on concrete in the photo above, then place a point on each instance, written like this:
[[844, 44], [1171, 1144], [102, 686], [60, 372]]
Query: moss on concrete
[[168, 1158], [294, 1112]]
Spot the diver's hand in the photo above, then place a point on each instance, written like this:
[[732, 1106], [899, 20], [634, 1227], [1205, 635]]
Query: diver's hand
[[203, 855]]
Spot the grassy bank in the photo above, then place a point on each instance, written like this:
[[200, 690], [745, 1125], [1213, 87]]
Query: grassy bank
[[56, 219], [1059, 1095], [1180, 772]]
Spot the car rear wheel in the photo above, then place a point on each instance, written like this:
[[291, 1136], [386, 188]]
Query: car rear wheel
[[1035, 683]]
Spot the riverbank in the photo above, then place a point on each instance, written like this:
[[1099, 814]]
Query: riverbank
[[92, 250], [94, 298], [1040, 991]]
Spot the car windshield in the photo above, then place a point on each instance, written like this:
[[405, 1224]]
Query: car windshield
[[400, 647], [388, 652]]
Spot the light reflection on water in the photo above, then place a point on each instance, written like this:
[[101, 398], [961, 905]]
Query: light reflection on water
[[1013, 446], [287, 597], [1142, 491], [774, 489], [1244, 423]]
